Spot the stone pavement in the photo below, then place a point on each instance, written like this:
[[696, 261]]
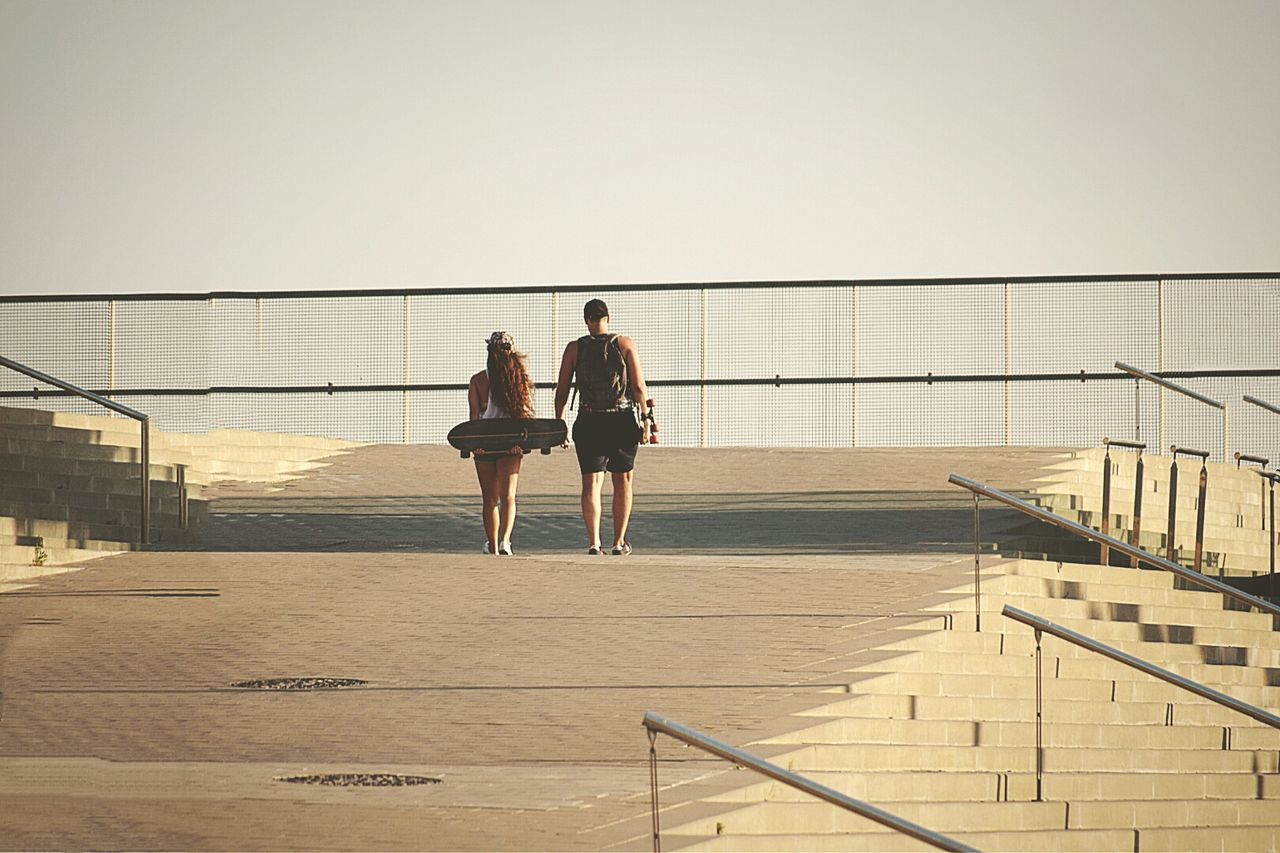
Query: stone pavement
[[759, 577]]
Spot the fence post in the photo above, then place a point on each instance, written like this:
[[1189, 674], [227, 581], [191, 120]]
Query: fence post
[[404, 413], [702, 373]]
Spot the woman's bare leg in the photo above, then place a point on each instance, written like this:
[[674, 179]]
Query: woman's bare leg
[[487, 474], [591, 486], [508, 476]]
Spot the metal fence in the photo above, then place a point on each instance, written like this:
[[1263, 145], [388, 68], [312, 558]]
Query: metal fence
[[1020, 361]]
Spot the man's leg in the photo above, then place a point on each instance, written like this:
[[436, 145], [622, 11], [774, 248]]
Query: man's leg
[[591, 486], [621, 506]]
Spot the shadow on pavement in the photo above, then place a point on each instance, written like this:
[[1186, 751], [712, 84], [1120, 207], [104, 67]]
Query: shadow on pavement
[[849, 522]]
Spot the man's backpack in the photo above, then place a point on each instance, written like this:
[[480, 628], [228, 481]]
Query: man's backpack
[[601, 372]]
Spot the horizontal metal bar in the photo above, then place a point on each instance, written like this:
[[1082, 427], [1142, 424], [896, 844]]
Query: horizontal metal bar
[[1122, 278], [1270, 407], [1042, 624], [1114, 544], [72, 389], [775, 381], [657, 723], [1188, 451], [1257, 460], [1151, 377], [1270, 475], [1116, 442]]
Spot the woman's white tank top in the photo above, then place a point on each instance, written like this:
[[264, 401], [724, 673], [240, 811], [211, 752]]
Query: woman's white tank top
[[493, 410]]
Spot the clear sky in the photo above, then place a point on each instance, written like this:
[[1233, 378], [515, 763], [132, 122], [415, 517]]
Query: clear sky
[[158, 146]]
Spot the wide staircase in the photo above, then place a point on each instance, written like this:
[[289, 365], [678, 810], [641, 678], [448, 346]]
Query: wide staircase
[[941, 730], [939, 726], [70, 483]]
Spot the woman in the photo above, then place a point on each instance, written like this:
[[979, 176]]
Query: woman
[[503, 390]]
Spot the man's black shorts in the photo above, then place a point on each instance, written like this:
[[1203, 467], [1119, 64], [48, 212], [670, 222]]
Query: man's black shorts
[[606, 441]]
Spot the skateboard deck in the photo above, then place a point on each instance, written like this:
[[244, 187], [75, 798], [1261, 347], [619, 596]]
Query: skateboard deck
[[502, 435]]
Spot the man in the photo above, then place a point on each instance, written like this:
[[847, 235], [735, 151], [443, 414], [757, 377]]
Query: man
[[611, 390]]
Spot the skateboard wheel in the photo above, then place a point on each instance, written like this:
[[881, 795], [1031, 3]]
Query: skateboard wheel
[[546, 451], [466, 454]]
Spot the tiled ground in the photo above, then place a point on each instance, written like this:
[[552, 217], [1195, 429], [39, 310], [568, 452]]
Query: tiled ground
[[519, 682]]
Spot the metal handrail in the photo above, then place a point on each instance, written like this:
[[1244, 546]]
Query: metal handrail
[[1151, 377], [1262, 403], [1208, 401], [144, 423], [1249, 457], [1113, 543], [657, 723], [1041, 624]]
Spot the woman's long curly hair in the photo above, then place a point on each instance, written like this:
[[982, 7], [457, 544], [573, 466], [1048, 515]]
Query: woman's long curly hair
[[509, 382]]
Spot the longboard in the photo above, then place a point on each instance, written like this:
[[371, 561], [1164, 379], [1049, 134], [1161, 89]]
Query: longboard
[[502, 435]]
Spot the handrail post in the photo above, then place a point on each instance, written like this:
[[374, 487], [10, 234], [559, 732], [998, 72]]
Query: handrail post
[[1170, 552], [1262, 462], [1039, 724], [1270, 485], [1104, 553], [1136, 532], [1200, 509], [977, 573], [144, 534], [182, 496], [653, 789], [1108, 443], [1273, 535], [1200, 502]]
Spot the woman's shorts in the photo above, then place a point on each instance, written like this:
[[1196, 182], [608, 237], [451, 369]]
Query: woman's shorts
[[606, 441]]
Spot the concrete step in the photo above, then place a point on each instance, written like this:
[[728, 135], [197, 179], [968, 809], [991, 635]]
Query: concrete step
[[78, 484], [1090, 841], [852, 730], [1092, 666], [1019, 646], [14, 465], [959, 786], [1054, 841], [900, 757], [816, 817], [1116, 590], [57, 532], [867, 702], [109, 451], [1080, 615], [1023, 686], [163, 513], [21, 555], [162, 500], [1117, 633]]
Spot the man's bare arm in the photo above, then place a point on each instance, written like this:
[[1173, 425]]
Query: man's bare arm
[[566, 378], [635, 373]]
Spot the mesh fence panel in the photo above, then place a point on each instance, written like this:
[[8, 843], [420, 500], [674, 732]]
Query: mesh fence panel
[[805, 364]]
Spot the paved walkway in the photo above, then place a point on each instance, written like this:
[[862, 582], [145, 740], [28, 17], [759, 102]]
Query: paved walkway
[[520, 683]]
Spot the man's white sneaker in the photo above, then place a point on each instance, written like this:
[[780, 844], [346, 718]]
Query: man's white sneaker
[[487, 549], [504, 550]]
